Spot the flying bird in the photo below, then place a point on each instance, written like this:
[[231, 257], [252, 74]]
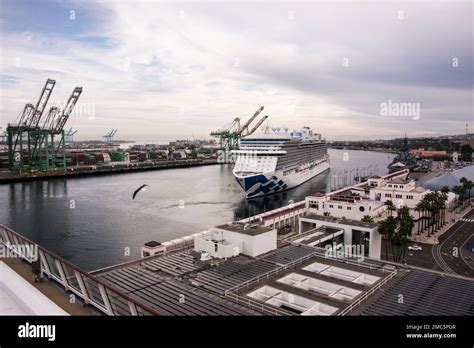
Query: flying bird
[[138, 190]]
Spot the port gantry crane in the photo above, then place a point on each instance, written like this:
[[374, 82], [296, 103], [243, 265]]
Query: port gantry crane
[[109, 137], [69, 135], [3, 136], [230, 135], [32, 146]]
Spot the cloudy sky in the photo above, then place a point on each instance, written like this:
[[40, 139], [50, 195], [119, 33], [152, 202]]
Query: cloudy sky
[[166, 70]]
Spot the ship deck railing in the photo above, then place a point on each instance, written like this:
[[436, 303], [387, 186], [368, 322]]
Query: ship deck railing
[[92, 290]]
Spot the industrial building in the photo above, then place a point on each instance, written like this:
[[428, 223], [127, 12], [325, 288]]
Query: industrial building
[[450, 179]]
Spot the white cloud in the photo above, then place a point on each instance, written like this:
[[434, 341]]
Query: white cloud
[[168, 70]]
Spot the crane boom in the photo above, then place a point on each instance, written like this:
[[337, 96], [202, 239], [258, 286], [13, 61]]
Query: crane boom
[[247, 124], [34, 120], [67, 110], [24, 117], [51, 117], [258, 124], [26, 114]]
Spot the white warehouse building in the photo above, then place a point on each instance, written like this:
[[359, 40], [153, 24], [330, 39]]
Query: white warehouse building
[[233, 239]]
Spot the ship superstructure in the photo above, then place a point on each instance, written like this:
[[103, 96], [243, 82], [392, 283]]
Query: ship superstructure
[[277, 160]]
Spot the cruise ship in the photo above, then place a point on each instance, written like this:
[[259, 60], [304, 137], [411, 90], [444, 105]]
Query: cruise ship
[[277, 160]]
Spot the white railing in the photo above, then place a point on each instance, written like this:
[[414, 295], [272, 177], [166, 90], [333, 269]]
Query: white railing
[[231, 292], [263, 307], [304, 234], [321, 253], [91, 289], [268, 274], [367, 294]]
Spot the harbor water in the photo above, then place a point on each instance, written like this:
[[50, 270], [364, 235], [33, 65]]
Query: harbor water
[[94, 222]]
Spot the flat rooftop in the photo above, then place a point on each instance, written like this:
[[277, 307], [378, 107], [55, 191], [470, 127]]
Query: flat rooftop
[[399, 181], [425, 293], [293, 279], [339, 220], [312, 237], [324, 286], [253, 228], [167, 289]]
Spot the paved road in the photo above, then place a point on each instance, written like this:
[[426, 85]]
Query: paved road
[[451, 253], [443, 257], [420, 258]]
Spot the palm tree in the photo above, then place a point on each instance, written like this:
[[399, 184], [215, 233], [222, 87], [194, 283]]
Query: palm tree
[[397, 243], [390, 206], [419, 208], [425, 207], [391, 229], [444, 193], [435, 211], [441, 203], [460, 191], [430, 206], [383, 230], [468, 185], [367, 218], [406, 224], [387, 228], [443, 198]]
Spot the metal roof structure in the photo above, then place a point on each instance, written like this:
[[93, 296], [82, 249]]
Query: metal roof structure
[[176, 284], [174, 264], [229, 274], [425, 293], [450, 179], [169, 296], [287, 254]]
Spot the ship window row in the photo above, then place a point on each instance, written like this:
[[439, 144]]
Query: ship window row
[[314, 151], [305, 154], [289, 161]]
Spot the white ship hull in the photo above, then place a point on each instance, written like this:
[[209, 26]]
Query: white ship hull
[[262, 184]]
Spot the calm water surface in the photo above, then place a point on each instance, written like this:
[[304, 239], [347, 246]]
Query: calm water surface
[[91, 221]]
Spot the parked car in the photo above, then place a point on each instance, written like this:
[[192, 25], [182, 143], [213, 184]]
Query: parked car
[[415, 247]]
